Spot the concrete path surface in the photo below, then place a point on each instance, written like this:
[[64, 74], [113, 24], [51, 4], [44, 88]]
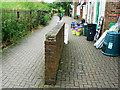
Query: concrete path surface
[[82, 65]]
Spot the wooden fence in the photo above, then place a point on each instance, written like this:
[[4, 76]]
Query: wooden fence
[[17, 23], [22, 14]]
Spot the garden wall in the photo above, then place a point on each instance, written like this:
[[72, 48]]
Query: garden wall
[[53, 49]]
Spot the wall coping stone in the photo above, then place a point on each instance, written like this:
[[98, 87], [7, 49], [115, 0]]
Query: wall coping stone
[[51, 35]]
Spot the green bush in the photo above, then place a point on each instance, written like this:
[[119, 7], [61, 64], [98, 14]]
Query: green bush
[[44, 19], [47, 18], [52, 14], [14, 28]]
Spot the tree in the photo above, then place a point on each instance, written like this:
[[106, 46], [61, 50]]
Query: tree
[[65, 5]]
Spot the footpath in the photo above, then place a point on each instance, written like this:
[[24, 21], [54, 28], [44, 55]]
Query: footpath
[[82, 65]]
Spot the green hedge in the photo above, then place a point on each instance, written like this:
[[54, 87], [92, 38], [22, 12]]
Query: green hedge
[[14, 28]]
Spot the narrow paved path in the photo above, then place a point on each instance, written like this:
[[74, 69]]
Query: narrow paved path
[[99, 71], [23, 64]]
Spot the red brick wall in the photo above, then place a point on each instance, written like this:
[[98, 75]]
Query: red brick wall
[[53, 49], [75, 3], [112, 13], [81, 13], [87, 12], [92, 14]]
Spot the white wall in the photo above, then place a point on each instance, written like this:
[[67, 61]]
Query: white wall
[[73, 11], [84, 11], [102, 8], [94, 13], [89, 12], [78, 10]]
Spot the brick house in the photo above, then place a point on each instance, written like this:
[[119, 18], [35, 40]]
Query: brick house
[[92, 10], [112, 13]]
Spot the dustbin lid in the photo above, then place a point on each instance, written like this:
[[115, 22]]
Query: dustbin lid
[[85, 23], [113, 33], [91, 24], [79, 26]]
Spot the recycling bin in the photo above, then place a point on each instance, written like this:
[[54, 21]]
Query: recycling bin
[[85, 30], [80, 28], [91, 30], [82, 25], [73, 24], [73, 27], [73, 31], [111, 45], [78, 32]]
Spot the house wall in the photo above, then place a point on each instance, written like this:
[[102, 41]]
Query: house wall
[[73, 11], [88, 12], [78, 10], [102, 8], [84, 12], [92, 11], [81, 13], [75, 2], [112, 13]]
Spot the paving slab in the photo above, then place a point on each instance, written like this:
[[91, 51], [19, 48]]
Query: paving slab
[[23, 63], [84, 66], [81, 64]]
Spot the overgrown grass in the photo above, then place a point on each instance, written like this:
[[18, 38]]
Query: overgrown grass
[[25, 5]]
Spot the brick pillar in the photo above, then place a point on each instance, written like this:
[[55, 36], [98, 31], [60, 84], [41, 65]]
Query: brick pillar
[[75, 3], [86, 11], [112, 13], [81, 13], [53, 49], [92, 14]]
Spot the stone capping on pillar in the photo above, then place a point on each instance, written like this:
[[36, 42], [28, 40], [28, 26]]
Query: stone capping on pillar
[[51, 35], [53, 49]]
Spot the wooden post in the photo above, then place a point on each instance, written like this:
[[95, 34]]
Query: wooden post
[[37, 16], [40, 15], [18, 13], [33, 19], [6, 18], [30, 19], [25, 20]]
